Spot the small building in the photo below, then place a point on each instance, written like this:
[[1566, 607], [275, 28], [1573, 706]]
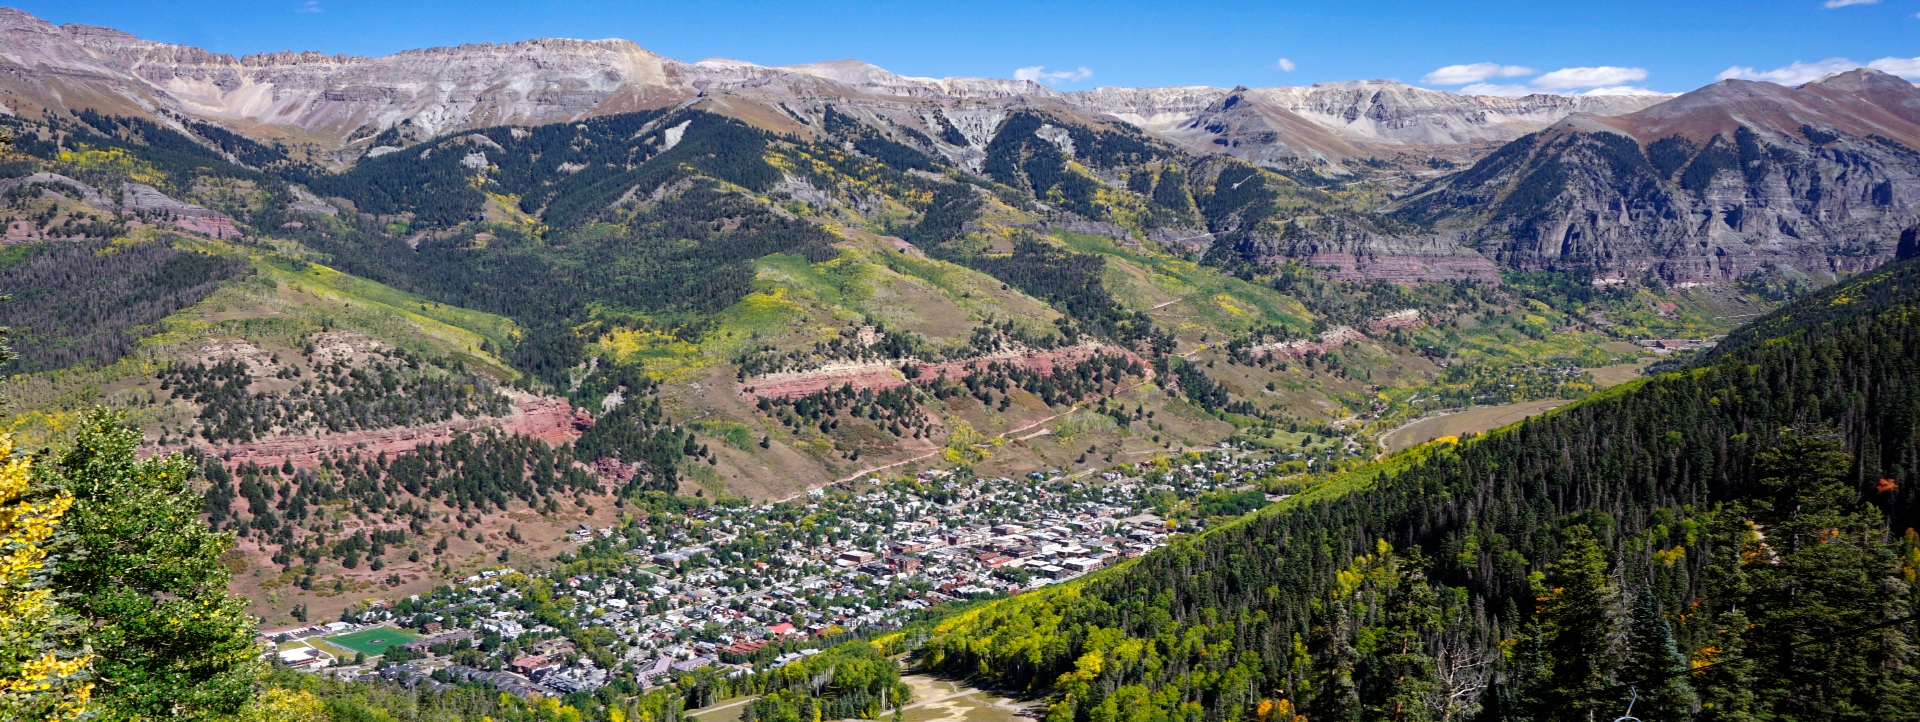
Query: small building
[[856, 556], [299, 656]]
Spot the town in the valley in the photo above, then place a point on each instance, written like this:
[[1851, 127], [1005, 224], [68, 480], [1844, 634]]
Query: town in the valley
[[732, 588]]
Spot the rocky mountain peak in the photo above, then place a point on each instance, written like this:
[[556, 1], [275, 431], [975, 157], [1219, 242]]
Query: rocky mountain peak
[[1862, 80], [1859, 102]]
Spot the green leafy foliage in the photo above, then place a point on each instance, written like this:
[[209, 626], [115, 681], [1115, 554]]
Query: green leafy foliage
[[860, 683], [638, 432], [1708, 163], [178, 155], [143, 573], [1019, 157], [1670, 153], [1070, 282], [871, 142]]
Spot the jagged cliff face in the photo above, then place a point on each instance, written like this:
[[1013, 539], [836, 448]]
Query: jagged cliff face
[[343, 100], [1732, 178], [1249, 221], [436, 90]]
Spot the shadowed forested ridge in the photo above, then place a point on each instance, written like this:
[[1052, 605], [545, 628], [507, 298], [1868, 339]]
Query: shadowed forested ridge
[[1889, 287], [1719, 514], [93, 300]]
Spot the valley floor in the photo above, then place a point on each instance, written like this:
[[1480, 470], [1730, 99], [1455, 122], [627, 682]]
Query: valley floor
[[1485, 418]]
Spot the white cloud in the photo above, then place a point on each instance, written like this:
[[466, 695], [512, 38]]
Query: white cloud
[[1624, 90], [1285, 65], [310, 6], [1474, 73], [1601, 80], [1792, 74], [1903, 67], [1798, 72], [1040, 74], [1494, 89], [1843, 3], [1594, 77]]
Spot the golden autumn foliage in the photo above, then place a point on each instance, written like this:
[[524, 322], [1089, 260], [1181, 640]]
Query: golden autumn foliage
[[37, 679], [286, 705]]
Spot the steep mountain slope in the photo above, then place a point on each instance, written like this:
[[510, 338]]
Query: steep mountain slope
[[1715, 185], [1495, 574]]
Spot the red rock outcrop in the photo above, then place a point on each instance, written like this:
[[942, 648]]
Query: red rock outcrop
[[1331, 339], [551, 420], [147, 201], [887, 375], [1404, 318]]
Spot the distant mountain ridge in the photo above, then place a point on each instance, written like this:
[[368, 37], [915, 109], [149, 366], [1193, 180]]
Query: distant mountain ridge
[[1719, 183], [328, 98], [1714, 185]]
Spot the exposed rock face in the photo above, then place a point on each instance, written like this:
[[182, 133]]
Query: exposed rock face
[[1710, 187], [1702, 187], [342, 98], [148, 202], [886, 374], [1352, 253], [1336, 120], [305, 202], [1329, 340], [88, 194]]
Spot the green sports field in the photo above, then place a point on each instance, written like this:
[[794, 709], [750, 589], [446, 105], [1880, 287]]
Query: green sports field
[[373, 641]]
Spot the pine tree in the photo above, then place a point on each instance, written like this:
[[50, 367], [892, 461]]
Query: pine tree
[[1398, 678], [1335, 697], [1726, 683], [1519, 694], [1655, 666], [1820, 564], [1579, 611]]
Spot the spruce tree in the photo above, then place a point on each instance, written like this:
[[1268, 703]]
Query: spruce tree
[[1655, 666], [1397, 681], [1579, 612], [1825, 566], [1335, 697], [1725, 684]]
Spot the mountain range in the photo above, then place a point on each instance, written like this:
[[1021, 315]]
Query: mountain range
[[1731, 179], [326, 98]]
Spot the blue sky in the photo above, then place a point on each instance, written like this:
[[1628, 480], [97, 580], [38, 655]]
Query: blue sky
[[1489, 46]]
